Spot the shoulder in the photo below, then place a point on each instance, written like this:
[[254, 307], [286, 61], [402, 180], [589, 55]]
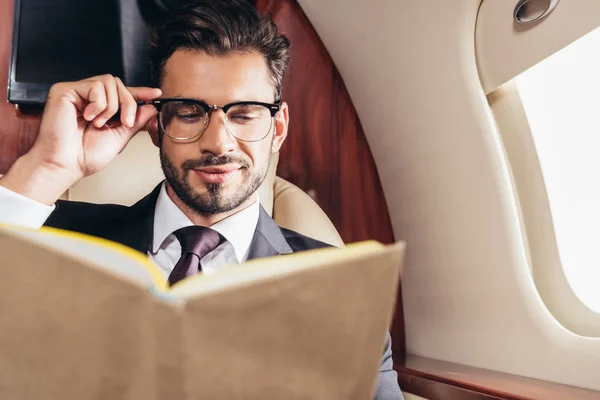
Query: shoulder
[[97, 219], [299, 242], [85, 217]]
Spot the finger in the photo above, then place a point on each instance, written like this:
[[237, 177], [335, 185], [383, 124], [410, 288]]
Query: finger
[[127, 104], [146, 112], [144, 93], [112, 101], [89, 95], [94, 94], [144, 115]]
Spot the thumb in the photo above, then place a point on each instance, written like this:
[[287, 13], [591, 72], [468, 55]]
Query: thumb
[[143, 115], [146, 112]]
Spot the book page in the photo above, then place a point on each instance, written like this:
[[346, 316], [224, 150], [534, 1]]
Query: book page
[[74, 326], [112, 257], [271, 268], [311, 325]]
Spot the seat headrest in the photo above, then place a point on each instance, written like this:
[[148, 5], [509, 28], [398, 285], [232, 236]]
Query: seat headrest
[[265, 191], [294, 209]]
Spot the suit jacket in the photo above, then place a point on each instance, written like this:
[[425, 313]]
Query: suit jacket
[[133, 227]]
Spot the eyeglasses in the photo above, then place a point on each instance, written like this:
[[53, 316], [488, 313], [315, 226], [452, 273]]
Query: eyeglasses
[[186, 119]]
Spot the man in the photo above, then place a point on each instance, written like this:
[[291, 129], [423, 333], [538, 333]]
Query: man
[[217, 120]]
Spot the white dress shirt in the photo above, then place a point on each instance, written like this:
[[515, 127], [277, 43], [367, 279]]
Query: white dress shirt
[[22, 211], [238, 229]]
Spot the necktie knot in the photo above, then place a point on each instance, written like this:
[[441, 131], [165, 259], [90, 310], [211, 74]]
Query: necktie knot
[[196, 242]]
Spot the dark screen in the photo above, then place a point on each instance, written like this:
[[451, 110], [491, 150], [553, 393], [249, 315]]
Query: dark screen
[[66, 40]]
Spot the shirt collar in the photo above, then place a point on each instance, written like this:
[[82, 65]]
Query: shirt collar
[[238, 228]]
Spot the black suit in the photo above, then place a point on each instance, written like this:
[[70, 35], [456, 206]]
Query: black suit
[[133, 227]]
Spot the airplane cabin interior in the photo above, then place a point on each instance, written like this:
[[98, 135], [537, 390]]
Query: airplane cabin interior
[[466, 128]]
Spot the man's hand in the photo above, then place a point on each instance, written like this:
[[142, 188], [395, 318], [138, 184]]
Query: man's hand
[[77, 137]]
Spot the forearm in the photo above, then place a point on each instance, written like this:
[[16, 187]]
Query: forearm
[[41, 183]]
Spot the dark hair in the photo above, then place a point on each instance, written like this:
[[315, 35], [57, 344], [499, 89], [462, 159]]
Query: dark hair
[[218, 27]]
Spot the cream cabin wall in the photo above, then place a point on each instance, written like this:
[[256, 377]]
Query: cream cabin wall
[[469, 297]]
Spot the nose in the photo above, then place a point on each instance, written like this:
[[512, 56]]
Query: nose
[[216, 139]]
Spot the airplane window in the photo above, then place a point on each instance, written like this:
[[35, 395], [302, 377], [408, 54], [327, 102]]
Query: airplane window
[[561, 98]]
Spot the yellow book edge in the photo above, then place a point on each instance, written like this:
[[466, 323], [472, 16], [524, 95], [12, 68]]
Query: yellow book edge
[[153, 271], [277, 267], [230, 276]]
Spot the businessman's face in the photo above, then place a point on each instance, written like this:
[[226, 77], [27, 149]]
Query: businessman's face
[[217, 172]]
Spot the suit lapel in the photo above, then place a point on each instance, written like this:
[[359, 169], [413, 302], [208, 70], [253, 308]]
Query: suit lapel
[[136, 230], [268, 240]]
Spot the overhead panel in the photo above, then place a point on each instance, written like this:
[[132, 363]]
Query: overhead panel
[[505, 47]]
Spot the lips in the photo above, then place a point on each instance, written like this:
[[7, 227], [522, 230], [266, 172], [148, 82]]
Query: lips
[[219, 169], [217, 173]]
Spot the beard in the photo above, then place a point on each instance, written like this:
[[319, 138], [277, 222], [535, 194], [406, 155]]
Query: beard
[[218, 197]]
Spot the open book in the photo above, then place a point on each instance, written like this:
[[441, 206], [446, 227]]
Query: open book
[[85, 318]]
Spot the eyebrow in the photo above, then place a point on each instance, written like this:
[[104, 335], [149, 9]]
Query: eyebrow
[[204, 101], [187, 97]]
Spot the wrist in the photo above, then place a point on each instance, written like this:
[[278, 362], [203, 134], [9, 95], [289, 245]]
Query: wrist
[[38, 181]]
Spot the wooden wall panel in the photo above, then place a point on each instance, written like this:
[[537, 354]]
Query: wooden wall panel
[[435, 379], [326, 153], [17, 131], [434, 390]]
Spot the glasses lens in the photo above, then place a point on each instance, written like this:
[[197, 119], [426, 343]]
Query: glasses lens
[[249, 122], [182, 120]]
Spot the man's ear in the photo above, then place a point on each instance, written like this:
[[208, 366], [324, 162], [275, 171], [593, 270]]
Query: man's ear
[[282, 120], [152, 127]]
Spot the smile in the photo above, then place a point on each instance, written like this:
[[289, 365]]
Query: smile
[[217, 174]]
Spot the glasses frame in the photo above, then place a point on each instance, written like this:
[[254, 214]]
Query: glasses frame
[[274, 108]]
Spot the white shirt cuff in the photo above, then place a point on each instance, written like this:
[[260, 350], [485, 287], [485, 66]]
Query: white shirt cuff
[[19, 210]]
